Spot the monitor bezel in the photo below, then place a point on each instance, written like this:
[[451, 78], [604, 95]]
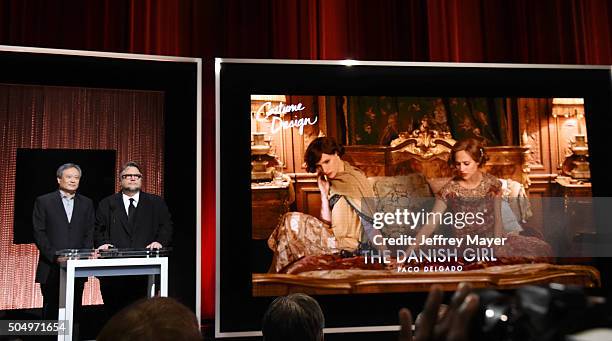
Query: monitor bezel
[[254, 79]]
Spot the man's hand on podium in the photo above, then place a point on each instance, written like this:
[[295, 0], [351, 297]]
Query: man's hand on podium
[[105, 247], [154, 245], [102, 247]]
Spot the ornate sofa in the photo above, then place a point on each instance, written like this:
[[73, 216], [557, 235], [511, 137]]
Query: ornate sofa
[[415, 166]]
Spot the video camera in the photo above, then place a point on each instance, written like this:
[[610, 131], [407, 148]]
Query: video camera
[[540, 313]]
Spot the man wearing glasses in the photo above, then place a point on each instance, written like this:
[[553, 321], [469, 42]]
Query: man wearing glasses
[[130, 219]]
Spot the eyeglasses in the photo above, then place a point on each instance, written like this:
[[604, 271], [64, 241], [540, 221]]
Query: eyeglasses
[[136, 176]]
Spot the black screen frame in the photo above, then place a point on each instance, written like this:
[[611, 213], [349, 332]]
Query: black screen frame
[[238, 313]]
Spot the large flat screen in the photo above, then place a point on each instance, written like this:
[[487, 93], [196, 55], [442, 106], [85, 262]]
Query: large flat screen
[[364, 183]]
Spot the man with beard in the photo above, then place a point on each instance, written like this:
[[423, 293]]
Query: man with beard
[[130, 219]]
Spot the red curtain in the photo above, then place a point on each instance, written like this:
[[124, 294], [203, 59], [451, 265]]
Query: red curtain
[[519, 31]]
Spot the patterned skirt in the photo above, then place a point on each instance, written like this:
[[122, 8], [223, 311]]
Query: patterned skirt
[[298, 235]]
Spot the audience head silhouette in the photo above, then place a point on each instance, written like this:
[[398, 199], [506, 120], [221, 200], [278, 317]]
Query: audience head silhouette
[[159, 318], [296, 317]]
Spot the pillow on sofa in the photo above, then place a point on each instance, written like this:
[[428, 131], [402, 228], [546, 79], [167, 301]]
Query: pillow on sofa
[[509, 218], [412, 184], [405, 192]]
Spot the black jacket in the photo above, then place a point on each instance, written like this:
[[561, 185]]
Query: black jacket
[[52, 232], [151, 223]]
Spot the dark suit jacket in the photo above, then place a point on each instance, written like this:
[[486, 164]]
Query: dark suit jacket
[[151, 222], [52, 232]]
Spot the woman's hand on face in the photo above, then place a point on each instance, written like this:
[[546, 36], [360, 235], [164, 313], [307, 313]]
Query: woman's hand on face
[[323, 185]]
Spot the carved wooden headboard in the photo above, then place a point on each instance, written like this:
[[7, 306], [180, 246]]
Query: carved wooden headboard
[[427, 153], [404, 156]]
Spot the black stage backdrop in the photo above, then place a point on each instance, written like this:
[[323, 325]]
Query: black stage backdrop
[[35, 176]]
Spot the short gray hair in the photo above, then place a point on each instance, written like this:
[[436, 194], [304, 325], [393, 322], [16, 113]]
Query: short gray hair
[[62, 168]]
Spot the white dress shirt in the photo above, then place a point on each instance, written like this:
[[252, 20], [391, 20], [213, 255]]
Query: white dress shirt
[[68, 201], [126, 202]]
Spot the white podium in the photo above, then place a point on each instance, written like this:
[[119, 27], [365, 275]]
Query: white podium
[[74, 268]]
